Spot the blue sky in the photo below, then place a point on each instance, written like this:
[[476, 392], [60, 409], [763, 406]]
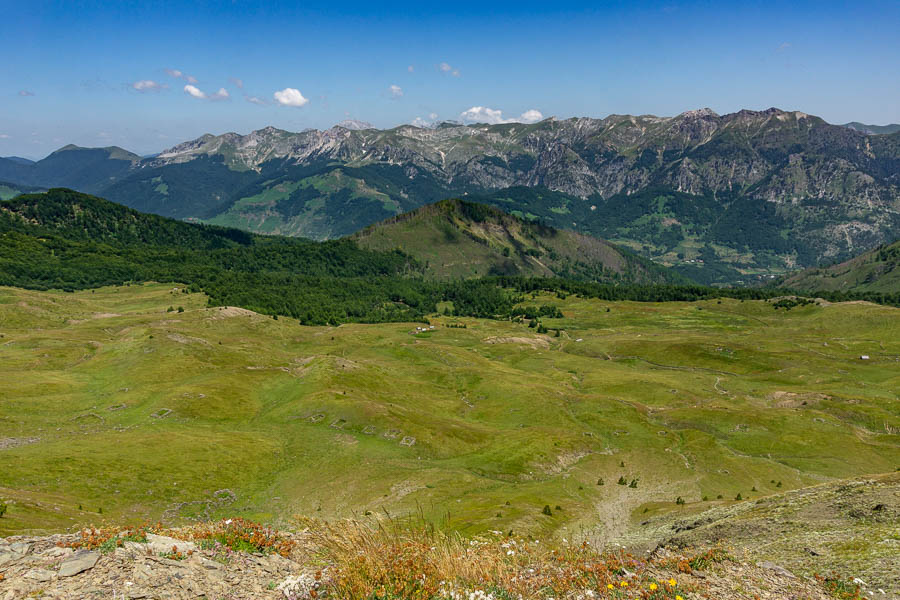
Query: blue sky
[[106, 73]]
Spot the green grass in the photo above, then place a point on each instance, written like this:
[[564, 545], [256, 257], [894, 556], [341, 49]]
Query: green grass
[[694, 402]]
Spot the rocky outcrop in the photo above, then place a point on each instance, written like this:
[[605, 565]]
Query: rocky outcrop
[[32, 567]]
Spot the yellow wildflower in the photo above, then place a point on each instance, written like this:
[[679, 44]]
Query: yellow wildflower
[[653, 587], [678, 598], [610, 586], [623, 583], [672, 582]]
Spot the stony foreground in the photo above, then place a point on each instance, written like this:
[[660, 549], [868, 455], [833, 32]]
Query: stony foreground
[[42, 567], [36, 567]]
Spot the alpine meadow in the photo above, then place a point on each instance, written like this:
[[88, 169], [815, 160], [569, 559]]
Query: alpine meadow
[[285, 313]]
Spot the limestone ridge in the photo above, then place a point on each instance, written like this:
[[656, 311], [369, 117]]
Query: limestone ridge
[[749, 193]]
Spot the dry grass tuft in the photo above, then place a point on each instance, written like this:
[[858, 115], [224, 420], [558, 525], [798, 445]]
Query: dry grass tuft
[[389, 562]]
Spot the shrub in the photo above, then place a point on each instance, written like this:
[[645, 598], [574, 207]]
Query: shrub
[[600, 481], [837, 587], [242, 535], [622, 480], [547, 510], [180, 309], [679, 500], [3, 508], [738, 497]]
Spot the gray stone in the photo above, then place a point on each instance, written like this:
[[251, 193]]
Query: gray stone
[[20, 547], [777, 569], [42, 575], [160, 544], [206, 563], [80, 562], [57, 552]]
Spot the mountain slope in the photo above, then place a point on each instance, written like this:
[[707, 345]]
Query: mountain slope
[[18, 159], [456, 239], [802, 190], [11, 190], [879, 129], [68, 240], [874, 271], [746, 195], [86, 169]]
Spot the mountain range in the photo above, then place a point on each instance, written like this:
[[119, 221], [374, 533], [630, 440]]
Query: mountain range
[[733, 198]]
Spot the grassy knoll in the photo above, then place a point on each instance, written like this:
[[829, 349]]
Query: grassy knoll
[[478, 427]]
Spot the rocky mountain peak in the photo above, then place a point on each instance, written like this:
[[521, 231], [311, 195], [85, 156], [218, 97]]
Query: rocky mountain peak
[[700, 113], [355, 125]]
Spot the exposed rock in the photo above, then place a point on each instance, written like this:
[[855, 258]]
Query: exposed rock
[[39, 575], [160, 544], [80, 562]]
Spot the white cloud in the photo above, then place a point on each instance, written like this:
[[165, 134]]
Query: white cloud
[[396, 91], [25, 93], [483, 114], [290, 97], [222, 94], [181, 75], [784, 46], [447, 68], [531, 116], [4, 136], [147, 85], [193, 91], [255, 100], [410, 68], [239, 83], [196, 92], [432, 116], [420, 122]]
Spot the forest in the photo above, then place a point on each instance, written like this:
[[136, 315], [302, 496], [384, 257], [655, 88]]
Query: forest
[[67, 240]]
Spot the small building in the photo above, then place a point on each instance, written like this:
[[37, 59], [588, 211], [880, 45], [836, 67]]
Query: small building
[[864, 357]]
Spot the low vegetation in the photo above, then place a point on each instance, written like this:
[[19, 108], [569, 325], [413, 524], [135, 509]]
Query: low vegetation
[[388, 562], [481, 425]]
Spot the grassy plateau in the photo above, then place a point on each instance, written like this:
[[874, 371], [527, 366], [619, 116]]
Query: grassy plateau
[[117, 406]]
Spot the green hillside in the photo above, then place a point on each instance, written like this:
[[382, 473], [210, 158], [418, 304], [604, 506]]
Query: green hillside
[[11, 190], [86, 169], [457, 239], [877, 271], [111, 401], [68, 240]]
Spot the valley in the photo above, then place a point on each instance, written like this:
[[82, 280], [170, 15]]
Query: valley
[[141, 402]]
